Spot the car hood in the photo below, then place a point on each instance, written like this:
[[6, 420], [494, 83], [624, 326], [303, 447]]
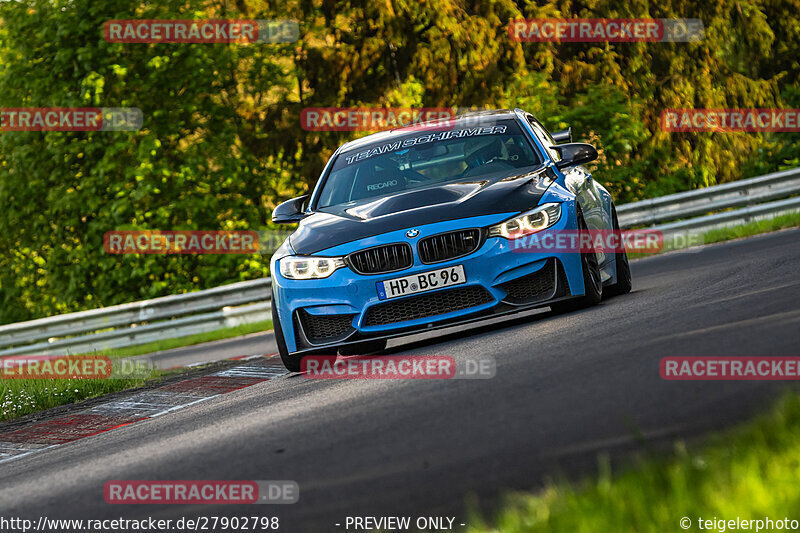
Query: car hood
[[470, 197]]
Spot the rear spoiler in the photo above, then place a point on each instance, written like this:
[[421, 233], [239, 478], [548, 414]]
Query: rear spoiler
[[563, 136]]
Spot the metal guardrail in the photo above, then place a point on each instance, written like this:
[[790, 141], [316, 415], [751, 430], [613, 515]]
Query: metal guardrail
[[248, 301], [140, 322], [707, 200], [731, 218]]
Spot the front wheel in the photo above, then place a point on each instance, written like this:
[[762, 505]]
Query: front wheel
[[592, 283], [292, 363], [624, 282]]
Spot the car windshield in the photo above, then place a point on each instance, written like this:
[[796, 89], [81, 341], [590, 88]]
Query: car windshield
[[422, 158]]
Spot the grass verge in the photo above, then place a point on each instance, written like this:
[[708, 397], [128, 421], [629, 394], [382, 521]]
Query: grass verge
[[750, 472], [757, 227], [189, 340], [20, 397]]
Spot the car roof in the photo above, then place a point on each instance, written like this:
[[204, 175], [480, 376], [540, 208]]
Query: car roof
[[390, 134]]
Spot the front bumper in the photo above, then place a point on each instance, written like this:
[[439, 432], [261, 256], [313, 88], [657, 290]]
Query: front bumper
[[345, 307]]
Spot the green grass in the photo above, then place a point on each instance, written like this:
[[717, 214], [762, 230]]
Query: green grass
[[789, 220], [189, 340], [757, 227], [750, 472], [20, 397]]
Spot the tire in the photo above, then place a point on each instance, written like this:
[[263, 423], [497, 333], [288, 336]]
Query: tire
[[624, 282], [364, 347], [293, 363], [593, 286]]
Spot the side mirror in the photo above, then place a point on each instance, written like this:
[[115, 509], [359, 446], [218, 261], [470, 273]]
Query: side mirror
[[290, 211], [574, 154], [563, 136]]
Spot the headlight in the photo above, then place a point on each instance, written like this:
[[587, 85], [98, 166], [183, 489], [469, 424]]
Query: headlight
[[528, 223], [300, 267]]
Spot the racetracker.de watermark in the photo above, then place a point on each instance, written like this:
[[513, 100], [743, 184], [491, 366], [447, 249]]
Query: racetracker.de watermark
[[584, 241], [730, 368], [731, 120], [212, 31], [398, 367], [90, 366], [181, 242], [375, 118], [70, 119], [201, 492], [597, 30]]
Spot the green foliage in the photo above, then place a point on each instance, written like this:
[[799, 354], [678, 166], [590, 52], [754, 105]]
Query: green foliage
[[185, 169], [222, 142]]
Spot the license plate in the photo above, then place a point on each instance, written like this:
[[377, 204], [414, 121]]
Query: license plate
[[426, 281]]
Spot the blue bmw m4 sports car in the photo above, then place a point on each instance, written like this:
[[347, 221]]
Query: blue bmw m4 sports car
[[413, 229]]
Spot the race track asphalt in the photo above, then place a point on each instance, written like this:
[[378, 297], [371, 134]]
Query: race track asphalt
[[566, 389]]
